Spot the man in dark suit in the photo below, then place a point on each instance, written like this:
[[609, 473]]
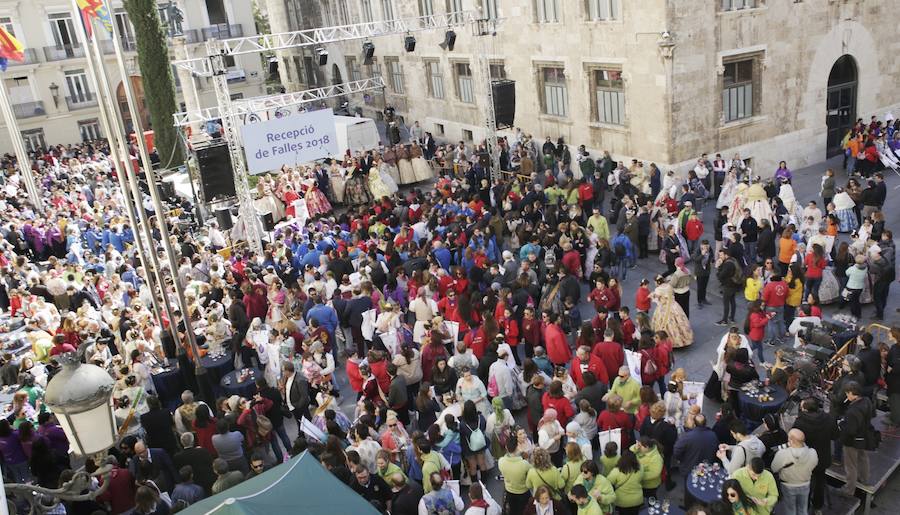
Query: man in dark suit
[[694, 446], [159, 426], [162, 471], [353, 312], [295, 389], [200, 461]]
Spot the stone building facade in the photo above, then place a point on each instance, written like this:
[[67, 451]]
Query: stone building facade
[[53, 95], [657, 80]]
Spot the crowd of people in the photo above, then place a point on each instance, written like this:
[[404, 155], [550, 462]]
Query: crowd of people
[[482, 326]]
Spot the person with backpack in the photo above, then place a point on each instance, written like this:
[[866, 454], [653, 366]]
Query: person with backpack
[[623, 249], [474, 440], [731, 277]]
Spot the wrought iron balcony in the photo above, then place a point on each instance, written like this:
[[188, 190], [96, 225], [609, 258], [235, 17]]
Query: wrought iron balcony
[[63, 52], [29, 109], [84, 101], [222, 31]]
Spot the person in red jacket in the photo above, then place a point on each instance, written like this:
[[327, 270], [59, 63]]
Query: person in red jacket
[[583, 362], [554, 398], [614, 418], [531, 332], [627, 328], [815, 263], [571, 260], [773, 296], [610, 353], [642, 297], [693, 231], [555, 339], [662, 352], [585, 193], [598, 295], [757, 320], [510, 329], [599, 321]]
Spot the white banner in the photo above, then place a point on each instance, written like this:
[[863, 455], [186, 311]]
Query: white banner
[[613, 435], [693, 390], [290, 140], [633, 360]]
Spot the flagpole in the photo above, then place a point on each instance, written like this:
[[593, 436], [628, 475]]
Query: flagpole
[[202, 378], [117, 151], [22, 158]]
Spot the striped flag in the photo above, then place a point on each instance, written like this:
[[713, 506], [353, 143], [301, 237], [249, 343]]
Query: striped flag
[[10, 48], [95, 9]]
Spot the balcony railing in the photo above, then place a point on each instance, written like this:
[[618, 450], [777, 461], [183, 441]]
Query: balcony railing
[[31, 57], [192, 36], [81, 102], [222, 31], [128, 45], [29, 109], [63, 52], [235, 76]]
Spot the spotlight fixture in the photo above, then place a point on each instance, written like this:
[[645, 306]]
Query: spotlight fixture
[[409, 44], [368, 50], [449, 40], [323, 56]]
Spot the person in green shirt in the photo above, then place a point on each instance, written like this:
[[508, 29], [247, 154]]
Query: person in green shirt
[[571, 469], [628, 388], [597, 486], [515, 470], [651, 461], [544, 473], [431, 462], [610, 457], [598, 225], [587, 505], [759, 485], [626, 479], [385, 467]]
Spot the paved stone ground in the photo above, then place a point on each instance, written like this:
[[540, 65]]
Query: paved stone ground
[[696, 359]]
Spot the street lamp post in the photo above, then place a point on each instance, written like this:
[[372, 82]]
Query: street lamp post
[[79, 395]]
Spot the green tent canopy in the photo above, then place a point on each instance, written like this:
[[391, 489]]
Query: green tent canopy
[[301, 485]]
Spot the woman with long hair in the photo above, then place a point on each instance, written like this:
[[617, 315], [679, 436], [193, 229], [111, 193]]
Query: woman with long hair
[[627, 479], [815, 263], [757, 319], [734, 496], [474, 439], [443, 377], [795, 280]]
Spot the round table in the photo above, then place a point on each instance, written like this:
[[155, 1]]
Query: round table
[[673, 509], [753, 409], [169, 384], [218, 366], [708, 490], [246, 389]]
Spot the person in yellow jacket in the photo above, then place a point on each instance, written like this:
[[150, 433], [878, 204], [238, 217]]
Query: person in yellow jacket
[[587, 505], [626, 479], [597, 486], [651, 461], [571, 469], [759, 486], [431, 463], [754, 284], [795, 281], [544, 473]]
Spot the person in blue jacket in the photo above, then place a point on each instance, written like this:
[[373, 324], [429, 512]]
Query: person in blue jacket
[[624, 252]]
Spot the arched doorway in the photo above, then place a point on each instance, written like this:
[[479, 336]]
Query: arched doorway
[[841, 101], [137, 85], [336, 79]]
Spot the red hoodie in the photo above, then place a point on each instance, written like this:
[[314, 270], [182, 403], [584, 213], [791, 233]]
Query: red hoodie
[[612, 355], [595, 365], [562, 405], [693, 230], [642, 299], [557, 346]]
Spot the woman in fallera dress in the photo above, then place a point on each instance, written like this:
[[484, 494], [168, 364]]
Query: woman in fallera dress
[[376, 185], [407, 174], [338, 181], [421, 168], [389, 156], [356, 190], [668, 315], [316, 202]]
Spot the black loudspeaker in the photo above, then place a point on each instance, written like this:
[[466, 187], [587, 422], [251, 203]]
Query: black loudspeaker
[[504, 92], [268, 221], [166, 190], [216, 175], [409, 44], [368, 52], [223, 217]]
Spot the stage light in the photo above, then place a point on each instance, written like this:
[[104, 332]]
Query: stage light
[[449, 40], [368, 49], [409, 44], [323, 56]]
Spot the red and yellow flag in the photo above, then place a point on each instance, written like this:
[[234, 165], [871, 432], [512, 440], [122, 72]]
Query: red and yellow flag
[[95, 9], [10, 48]]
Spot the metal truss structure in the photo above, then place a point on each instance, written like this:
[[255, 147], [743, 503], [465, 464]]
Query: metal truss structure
[[260, 105], [230, 111]]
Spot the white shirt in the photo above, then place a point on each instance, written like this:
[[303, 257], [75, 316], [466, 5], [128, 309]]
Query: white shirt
[[287, 391]]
